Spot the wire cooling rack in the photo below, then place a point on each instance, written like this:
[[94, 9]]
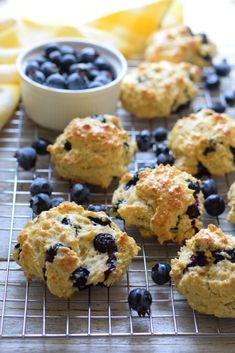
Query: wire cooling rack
[[29, 310]]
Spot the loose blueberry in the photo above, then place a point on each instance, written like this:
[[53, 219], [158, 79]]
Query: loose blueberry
[[222, 68], [37, 76], [40, 202], [214, 205], [56, 81], [67, 60], [88, 55], [165, 159], [26, 157], [40, 185], [52, 251], [217, 107], [51, 47], [161, 273], [76, 81], [79, 277], [79, 193], [31, 66], [102, 64], [209, 187], [229, 96], [105, 242], [55, 57], [49, 68], [143, 140], [160, 134], [97, 208], [140, 300], [66, 49], [162, 148], [212, 81], [56, 201], [40, 146]]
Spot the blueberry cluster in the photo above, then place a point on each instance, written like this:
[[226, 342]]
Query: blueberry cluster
[[62, 67], [155, 140], [211, 77], [27, 156], [161, 273], [214, 203], [140, 300], [41, 190]]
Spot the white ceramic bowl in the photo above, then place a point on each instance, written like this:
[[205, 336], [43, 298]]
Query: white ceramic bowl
[[55, 108]]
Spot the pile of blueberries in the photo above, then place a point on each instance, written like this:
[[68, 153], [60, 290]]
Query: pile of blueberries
[[62, 67], [146, 140], [211, 78], [41, 190]]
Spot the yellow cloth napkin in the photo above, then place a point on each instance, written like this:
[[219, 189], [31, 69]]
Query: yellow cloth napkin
[[127, 30]]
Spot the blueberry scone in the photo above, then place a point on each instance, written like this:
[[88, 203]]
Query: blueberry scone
[[231, 204], [93, 150], [156, 89], [204, 139], [204, 272], [177, 44], [70, 249], [163, 202]]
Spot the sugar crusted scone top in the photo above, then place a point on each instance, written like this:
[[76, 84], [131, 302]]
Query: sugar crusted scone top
[[178, 44], [157, 76], [203, 125], [101, 130]]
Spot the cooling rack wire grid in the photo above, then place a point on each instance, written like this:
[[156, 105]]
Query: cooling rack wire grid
[[29, 310]]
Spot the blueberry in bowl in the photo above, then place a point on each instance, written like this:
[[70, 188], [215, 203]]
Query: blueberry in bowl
[[70, 78]]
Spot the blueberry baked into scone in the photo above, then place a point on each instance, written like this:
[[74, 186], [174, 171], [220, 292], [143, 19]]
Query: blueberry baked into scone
[[204, 272], [156, 89], [70, 249], [177, 44], [93, 150], [231, 204], [205, 139], [163, 202]]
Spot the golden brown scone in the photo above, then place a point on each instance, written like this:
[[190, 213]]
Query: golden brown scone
[[177, 44], [70, 249], [156, 89], [205, 272], [231, 204], [162, 202], [93, 150], [204, 139]]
